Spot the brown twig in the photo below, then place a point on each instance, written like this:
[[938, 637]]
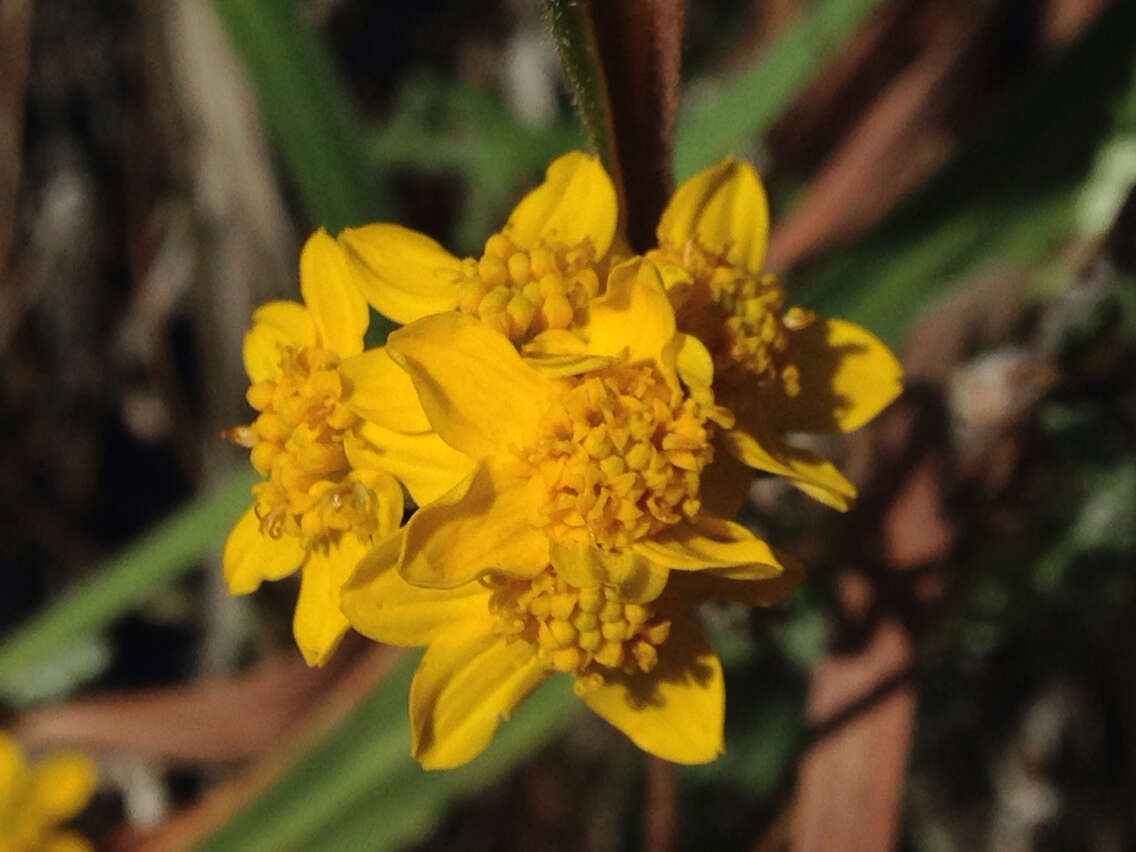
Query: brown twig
[[640, 44]]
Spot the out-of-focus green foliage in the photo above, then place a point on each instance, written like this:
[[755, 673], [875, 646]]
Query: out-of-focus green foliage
[[1007, 200], [440, 127], [125, 580], [360, 789], [729, 116], [308, 113]]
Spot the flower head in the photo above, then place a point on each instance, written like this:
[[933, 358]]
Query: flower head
[[539, 272], [336, 431], [645, 667], [590, 448], [778, 370], [36, 798]]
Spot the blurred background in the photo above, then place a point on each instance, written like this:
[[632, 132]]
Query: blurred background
[[956, 671]]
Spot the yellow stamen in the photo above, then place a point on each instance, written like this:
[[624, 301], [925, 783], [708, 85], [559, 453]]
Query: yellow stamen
[[560, 621], [297, 442], [521, 293], [619, 457], [737, 315]]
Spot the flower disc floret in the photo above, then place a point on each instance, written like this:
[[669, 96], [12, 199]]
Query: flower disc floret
[[588, 633], [523, 292], [619, 457], [298, 441], [737, 314]]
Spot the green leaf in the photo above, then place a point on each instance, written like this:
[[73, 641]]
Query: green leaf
[[125, 580], [725, 121]]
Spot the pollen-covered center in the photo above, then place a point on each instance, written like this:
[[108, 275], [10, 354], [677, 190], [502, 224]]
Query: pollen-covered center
[[297, 442], [737, 315], [618, 457], [584, 632], [521, 293]]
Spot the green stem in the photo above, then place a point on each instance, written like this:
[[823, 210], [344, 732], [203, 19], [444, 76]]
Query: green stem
[[572, 30]]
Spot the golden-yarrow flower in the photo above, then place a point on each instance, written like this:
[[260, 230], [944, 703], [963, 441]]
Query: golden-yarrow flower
[[539, 272], [646, 667], [590, 450], [779, 371], [337, 430], [36, 798], [576, 427], [557, 552]]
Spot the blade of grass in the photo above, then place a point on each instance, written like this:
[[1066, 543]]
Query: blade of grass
[[308, 112], [127, 579], [360, 788], [726, 120]]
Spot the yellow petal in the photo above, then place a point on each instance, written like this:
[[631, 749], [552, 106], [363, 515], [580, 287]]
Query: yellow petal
[[576, 203], [676, 710], [318, 624], [383, 606], [847, 377], [424, 463], [475, 388], [636, 579], [275, 324], [337, 305], [389, 503], [553, 366], [250, 556], [381, 391], [633, 315], [728, 548], [806, 470], [724, 210], [403, 274], [696, 586], [555, 341], [695, 366], [480, 525], [468, 681], [62, 784], [291, 320]]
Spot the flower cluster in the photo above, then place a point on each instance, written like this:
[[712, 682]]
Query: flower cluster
[[36, 798], [574, 427]]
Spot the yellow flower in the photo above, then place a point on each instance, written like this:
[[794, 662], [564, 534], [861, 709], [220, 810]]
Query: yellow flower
[[337, 429], [644, 667], [778, 370], [35, 799], [589, 453], [538, 273]]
